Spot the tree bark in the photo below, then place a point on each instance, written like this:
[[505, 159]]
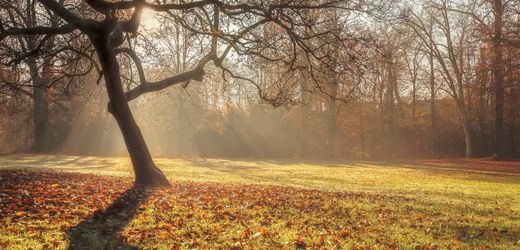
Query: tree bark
[[499, 123], [467, 130], [303, 149], [41, 119], [467, 138], [481, 72], [498, 79], [331, 123], [146, 173], [362, 132], [390, 104], [432, 109], [512, 138], [414, 94], [40, 107]]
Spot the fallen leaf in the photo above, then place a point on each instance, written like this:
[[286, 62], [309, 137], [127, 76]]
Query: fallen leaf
[[21, 213], [245, 233], [299, 243], [344, 234], [164, 235]]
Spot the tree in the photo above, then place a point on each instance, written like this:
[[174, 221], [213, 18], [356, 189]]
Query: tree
[[109, 27], [389, 62], [493, 31], [433, 90], [446, 41], [42, 60], [413, 64], [338, 78]]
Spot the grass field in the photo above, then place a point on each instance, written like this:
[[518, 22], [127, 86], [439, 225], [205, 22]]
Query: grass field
[[89, 202]]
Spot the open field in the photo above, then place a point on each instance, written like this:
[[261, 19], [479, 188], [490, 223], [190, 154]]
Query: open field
[[216, 203]]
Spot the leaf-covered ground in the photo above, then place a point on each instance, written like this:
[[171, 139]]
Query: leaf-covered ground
[[89, 203]]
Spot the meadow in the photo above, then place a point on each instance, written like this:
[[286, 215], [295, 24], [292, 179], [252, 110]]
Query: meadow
[[52, 201]]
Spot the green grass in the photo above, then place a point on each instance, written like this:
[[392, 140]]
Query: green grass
[[287, 204]]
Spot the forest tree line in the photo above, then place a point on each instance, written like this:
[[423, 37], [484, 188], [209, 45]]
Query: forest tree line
[[430, 79]]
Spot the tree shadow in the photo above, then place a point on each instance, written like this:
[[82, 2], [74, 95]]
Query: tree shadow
[[229, 169], [102, 229]]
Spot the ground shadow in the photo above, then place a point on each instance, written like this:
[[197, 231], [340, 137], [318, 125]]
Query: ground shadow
[[61, 162], [229, 169], [102, 229]]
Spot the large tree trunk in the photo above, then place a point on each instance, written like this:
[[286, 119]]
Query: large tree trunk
[[41, 119], [146, 173], [331, 125], [513, 123], [433, 121], [467, 131], [362, 132], [303, 147], [512, 141], [414, 97], [498, 79], [390, 139], [40, 107], [467, 137], [481, 120], [499, 123]]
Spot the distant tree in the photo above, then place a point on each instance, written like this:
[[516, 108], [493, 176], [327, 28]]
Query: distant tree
[[414, 57], [496, 21], [390, 46], [445, 35], [43, 64]]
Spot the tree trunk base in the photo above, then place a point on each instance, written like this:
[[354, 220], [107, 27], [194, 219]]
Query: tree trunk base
[[153, 178]]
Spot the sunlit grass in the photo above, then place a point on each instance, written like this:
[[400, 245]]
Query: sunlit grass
[[352, 204]]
